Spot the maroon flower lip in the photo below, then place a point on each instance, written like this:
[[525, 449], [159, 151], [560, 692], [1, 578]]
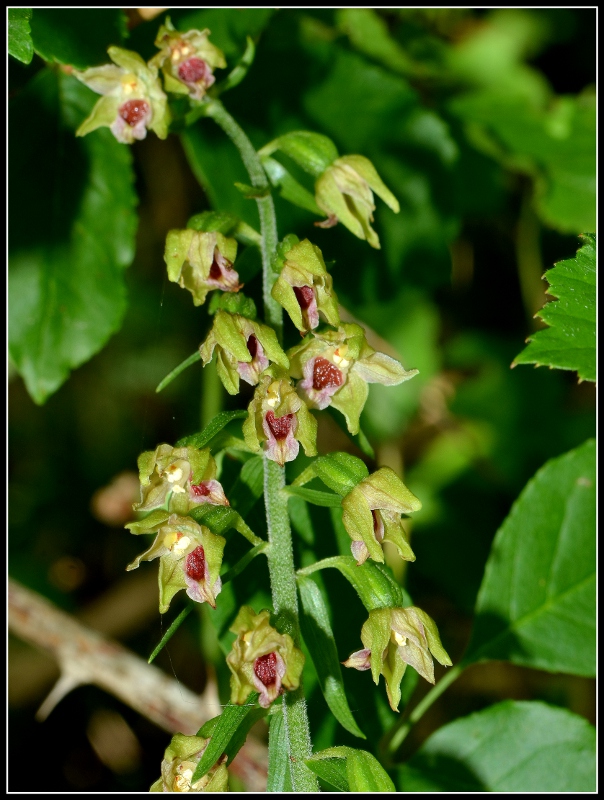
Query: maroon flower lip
[[325, 375], [195, 564], [265, 669], [280, 426], [193, 70], [304, 295], [133, 111]]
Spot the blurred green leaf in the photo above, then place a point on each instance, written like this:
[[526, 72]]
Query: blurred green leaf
[[512, 747], [20, 45], [67, 293], [188, 362], [279, 776], [371, 581], [536, 605], [570, 341], [318, 637], [77, 36], [204, 437]]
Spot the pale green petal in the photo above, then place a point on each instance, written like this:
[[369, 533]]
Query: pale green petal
[[128, 60], [368, 172], [384, 489], [358, 521], [380, 368], [103, 115], [307, 431], [102, 80], [351, 399]]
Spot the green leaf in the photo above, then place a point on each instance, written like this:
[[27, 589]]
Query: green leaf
[[20, 45], [350, 770], [170, 632], [279, 776], [314, 152], [67, 292], [77, 36], [325, 499], [318, 637], [204, 437], [570, 341], [192, 359], [371, 581], [510, 747], [288, 186], [228, 734], [536, 604], [238, 73], [234, 303], [252, 192]]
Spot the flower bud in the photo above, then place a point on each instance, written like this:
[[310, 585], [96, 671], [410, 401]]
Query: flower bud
[[262, 660], [181, 758], [184, 474], [200, 262], [187, 60], [372, 515], [336, 367], [132, 102], [394, 638], [305, 289], [190, 557], [278, 421], [345, 193], [244, 349]]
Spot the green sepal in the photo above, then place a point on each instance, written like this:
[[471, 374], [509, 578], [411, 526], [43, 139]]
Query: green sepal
[[150, 523], [234, 303], [181, 758], [350, 401], [313, 152], [283, 248], [189, 256]]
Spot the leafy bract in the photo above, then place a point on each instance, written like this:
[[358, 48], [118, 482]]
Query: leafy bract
[[350, 770], [537, 604], [570, 341], [279, 776], [77, 36], [19, 34], [319, 638], [66, 286], [509, 747], [213, 427]]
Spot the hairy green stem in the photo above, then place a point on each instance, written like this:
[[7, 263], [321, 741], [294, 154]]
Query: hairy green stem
[[279, 554]]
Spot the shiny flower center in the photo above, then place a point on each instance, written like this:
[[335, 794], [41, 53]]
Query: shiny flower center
[[280, 426], [193, 70], [133, 111], [200, 489], [265, 669], [325, 375], [304, 295], [195, 564]]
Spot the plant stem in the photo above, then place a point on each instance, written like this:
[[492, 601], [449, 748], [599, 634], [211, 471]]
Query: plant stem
[[280, 553], [398, 734]]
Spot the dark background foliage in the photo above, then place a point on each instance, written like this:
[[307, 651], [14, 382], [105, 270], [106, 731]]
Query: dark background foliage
[[461, 112]]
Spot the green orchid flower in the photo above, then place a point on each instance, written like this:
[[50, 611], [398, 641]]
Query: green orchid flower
[[372, 515], [181, 758], [262, 660], [133, 101], [200, 262], [305, 289], [244, 349], [190, 557], [395, 638], [336, 367], [345, 193]]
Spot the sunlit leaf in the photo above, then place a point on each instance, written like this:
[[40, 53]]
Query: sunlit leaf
[[570, 341], [514, 747], [19, 34], [537, 604]]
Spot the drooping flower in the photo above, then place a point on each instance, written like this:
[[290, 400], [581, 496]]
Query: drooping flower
[[200, 262], [190, 557], [133, 101], [244, 349], [305, 289], [184, 474], [262, 659], [187, 60], [181, 758], [336, 367], [345, 193], [372, 515], [394, 638], [278, 421]]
